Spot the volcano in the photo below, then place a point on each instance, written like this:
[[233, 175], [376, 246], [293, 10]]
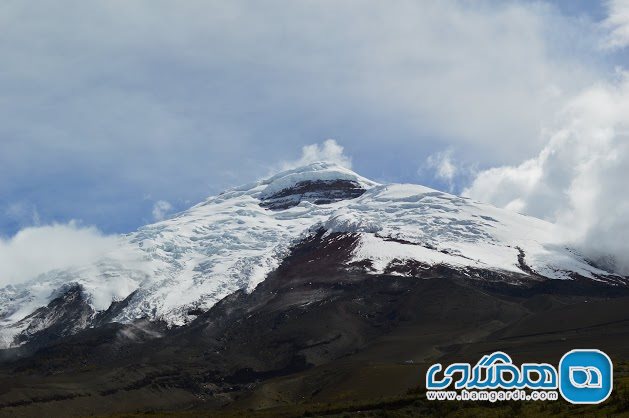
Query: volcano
[[310, 285]]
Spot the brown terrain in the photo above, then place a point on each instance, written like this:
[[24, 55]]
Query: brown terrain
[[317, 337]]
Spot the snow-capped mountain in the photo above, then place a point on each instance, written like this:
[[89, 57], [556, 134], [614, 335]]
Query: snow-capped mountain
[[172, 270]]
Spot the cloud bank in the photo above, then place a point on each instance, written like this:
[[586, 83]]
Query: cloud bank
[[36, 250], [579, 179]]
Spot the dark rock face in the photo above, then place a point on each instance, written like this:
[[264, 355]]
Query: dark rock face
[[319, 192], [68, 313]]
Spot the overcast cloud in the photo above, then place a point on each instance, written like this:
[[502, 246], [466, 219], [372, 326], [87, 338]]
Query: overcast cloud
[[106, 102], [579, 178]]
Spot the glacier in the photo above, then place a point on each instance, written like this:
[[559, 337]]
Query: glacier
[[232, 241]]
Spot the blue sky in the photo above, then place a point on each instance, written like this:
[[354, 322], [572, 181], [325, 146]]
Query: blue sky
[[108, 108]]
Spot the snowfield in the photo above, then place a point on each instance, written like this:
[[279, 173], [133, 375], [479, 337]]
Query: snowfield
[[230, 242]]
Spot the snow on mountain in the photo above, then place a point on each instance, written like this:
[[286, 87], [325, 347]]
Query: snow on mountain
[[233, 240]]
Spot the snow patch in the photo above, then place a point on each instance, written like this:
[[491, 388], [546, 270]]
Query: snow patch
[[319, 171]]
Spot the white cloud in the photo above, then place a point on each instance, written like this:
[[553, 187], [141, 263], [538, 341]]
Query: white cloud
[[329, 150], [25, 214], [36, 250], [617, 23], [161, 209], [443, 167], [579, 179]]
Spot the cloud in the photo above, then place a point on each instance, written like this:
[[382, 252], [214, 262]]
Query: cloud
[[579, 179], [128, 108], [442, 166], [36, 250], [161, 208], [24, 214], [617, 23], [329, 150]]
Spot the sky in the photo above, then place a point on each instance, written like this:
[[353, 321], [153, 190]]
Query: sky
[[115, 114]]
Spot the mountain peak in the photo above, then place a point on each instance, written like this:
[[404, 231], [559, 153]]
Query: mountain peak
[[319, 182], [317, 171]]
